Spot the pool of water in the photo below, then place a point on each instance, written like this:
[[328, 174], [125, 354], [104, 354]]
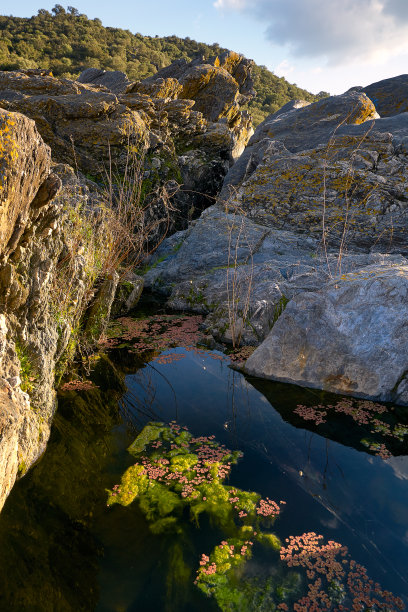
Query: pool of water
[[62, 548]]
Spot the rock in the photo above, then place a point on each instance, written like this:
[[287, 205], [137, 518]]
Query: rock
[[85, 128], [45, 285], [36, 83], [127, 295], [24, 166], [350, 337], [390, 96], [327, 169], [230, 268], [218, 86], [98, 314], [158, 88], [299, 126], [114, 80], [319, 193], [92, 127]]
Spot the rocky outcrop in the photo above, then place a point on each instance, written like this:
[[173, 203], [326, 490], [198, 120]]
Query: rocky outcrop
[[331, 156], [185, 126], [86, 127], [350, 337], [56, 274], [319, 194], [233, 269], [218, 85], [46, 284]]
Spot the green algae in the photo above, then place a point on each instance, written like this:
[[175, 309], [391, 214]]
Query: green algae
[[176, 471]]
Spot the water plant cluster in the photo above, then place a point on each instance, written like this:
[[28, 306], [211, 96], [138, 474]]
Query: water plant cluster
[[154, 333], [335, 581], [176, 472], [364, 413]]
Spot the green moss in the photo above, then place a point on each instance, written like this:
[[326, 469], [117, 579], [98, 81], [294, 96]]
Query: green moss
[[27, 370], [195, 297], [149, 434], [269, 539], [22, 468], [279, 308]]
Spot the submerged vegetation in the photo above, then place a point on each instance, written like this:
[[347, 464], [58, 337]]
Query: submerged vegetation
[[175, 472]]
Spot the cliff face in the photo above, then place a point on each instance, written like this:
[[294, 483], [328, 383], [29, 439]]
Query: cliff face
[[31, 243], [47, 281]]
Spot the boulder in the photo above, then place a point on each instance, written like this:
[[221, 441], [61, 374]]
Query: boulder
[[114, 80], [85, 128], [127, 295], [350, 337], [229, 268], [218, 86], [169, 88], [299, 126], [329, 169], [390, 96]]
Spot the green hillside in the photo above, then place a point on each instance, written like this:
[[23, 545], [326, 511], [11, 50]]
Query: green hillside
[[67, 42]]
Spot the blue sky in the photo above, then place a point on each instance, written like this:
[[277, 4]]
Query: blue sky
[[319, 44]]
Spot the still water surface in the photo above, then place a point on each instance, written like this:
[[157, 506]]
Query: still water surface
[[63, 549]]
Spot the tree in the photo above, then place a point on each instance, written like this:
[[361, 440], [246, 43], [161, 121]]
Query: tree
[[58, 10]]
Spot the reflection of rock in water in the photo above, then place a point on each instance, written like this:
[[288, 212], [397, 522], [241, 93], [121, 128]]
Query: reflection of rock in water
[[49, 557], [333, 422]]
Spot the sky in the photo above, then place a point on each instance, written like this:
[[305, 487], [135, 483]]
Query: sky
[[321, 45]]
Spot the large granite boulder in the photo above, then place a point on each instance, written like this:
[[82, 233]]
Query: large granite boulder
[[232, 269], [351, 337], [390, 96]]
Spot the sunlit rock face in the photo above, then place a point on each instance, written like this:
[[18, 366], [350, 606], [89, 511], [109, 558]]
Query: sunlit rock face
[[185, 123], [45, 287], [390, 96]]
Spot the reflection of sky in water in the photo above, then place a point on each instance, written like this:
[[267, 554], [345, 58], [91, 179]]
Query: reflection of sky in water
[[333, 489]]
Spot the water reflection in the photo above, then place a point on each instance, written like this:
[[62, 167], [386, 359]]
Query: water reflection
[[63, 549]]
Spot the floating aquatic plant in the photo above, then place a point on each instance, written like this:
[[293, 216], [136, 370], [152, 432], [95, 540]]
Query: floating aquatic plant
[[336, 582], [363, 413], [175, 471]]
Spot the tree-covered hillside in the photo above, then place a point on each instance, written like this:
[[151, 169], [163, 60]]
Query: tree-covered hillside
[[67, 42]]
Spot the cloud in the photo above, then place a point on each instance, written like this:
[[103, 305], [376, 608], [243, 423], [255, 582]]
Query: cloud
[[284, 68], [341, 31]]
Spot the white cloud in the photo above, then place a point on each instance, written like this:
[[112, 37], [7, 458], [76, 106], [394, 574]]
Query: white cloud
[[284, 68], [340, 31], [227, 4]]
